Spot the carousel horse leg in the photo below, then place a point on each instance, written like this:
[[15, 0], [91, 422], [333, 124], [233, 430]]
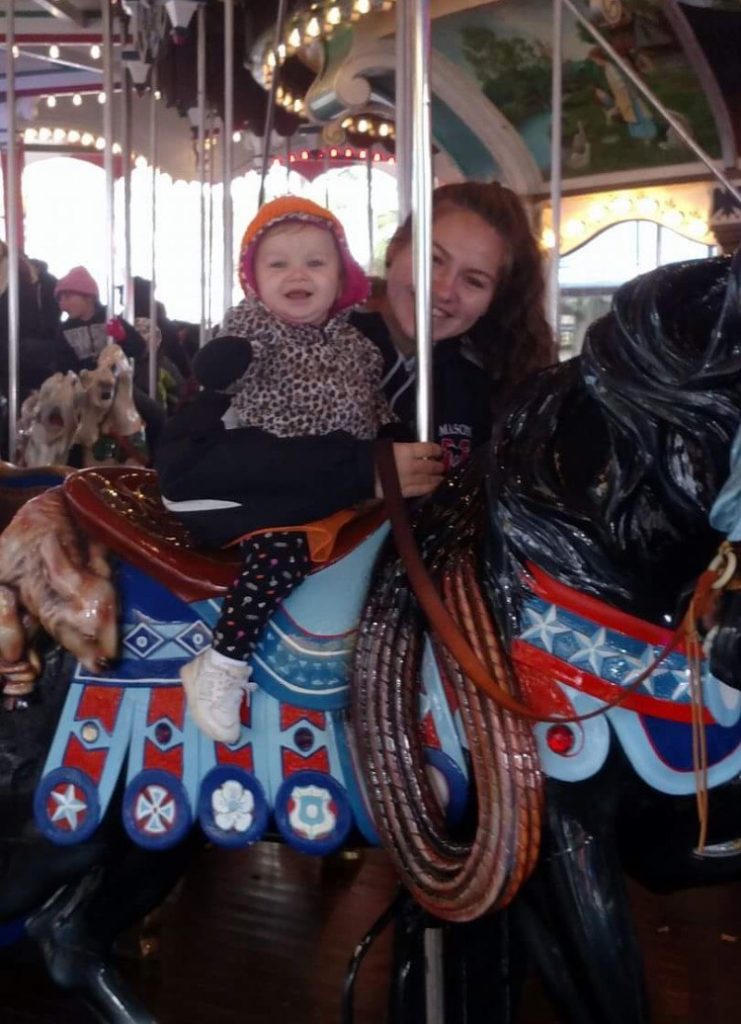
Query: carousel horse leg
[[347, 1013], [77, 928], [575, 914], [407, 992], [480, 967]]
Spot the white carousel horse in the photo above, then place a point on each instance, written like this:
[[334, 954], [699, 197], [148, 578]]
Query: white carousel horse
[[48, 421], [95, 410]]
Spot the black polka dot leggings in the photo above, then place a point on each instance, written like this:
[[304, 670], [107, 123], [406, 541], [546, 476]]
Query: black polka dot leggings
[[274, 563]]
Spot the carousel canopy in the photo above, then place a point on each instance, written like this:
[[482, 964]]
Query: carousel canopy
[[335, 61]]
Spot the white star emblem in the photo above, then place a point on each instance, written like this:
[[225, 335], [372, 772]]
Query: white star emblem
[[683, 683], [593, 650], [641, 664], [544, 627], [68, 806]]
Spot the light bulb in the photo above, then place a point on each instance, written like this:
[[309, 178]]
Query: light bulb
[[77, 100], [54, 51], [51, 101], [95, 51], [101, 98]]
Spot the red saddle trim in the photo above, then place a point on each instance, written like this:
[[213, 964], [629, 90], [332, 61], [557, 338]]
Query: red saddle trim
[[121, 507], [549, 589], [553, 670]]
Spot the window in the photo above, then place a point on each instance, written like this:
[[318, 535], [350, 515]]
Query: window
[[590, 274]]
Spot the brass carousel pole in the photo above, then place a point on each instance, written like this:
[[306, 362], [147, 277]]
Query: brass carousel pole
[[421, 196], [270, 109], [210, 247], [228, 160], [554, 288], [11, 206], [369, 189], [126, 115], [416, 14], [201, 74], [403, 107], [153, 249], [108, 158]]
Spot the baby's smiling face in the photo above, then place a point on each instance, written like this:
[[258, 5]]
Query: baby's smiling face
[[298, 272]]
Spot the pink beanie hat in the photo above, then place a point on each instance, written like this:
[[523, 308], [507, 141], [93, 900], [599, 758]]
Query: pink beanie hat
[[78, 280], [355, 284]]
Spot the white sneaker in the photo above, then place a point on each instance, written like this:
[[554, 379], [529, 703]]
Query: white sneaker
[[214, 693]]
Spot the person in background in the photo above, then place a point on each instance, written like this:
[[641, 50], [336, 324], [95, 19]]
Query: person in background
[[38, 321], [88, 329]]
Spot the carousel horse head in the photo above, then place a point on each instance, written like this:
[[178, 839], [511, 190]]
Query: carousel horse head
[[606, 468], [53, 575], [110, 421], [48, 421]]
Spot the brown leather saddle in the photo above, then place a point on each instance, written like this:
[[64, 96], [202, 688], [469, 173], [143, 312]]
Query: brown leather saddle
[[121, 507]]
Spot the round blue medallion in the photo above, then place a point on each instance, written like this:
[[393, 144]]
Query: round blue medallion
[[156, 811], [66, 806], [455, 782], [232, 807], [312, 812]]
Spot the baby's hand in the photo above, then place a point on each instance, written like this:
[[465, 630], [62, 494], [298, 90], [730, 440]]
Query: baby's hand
[[420, 468]]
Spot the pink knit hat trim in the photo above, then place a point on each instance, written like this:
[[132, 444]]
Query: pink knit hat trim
[[355, 284], [78, 280]]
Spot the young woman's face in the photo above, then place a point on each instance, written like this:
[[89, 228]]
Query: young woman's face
[[467, 254], [297, 272]]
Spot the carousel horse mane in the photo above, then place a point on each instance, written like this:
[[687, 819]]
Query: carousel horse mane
[[605, 467]]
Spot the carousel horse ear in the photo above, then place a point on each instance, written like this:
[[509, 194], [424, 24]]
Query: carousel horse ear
[[64, 577], [97, 561]]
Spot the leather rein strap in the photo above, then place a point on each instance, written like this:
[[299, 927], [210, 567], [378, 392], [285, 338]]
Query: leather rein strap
[[448, 632]]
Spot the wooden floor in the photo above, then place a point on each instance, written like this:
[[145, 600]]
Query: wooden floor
[[263, 936]]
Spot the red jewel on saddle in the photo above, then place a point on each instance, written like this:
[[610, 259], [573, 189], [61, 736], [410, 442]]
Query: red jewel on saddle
[[560, 739]]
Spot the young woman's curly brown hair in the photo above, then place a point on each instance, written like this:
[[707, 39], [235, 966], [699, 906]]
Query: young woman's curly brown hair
[[513, 337]]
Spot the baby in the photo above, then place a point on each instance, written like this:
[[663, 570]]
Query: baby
[[293, 366]]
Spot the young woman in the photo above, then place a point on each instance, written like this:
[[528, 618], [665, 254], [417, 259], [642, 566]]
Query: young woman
[[488, 324]]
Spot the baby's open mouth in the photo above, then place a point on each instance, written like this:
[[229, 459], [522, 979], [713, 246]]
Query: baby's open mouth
[[298, 293]]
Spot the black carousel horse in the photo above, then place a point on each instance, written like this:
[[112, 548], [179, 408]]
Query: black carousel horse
[[594, 530], [593, 510]]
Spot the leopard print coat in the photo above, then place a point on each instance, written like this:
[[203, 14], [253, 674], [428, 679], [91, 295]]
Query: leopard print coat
[[304, 379]]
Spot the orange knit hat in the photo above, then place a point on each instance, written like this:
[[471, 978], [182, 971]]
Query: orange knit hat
[[355, 284]]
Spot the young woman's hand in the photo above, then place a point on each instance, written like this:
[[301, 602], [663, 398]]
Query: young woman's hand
[[420, 468]]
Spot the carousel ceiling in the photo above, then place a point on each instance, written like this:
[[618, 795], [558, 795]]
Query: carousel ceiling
[[335, 61]]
